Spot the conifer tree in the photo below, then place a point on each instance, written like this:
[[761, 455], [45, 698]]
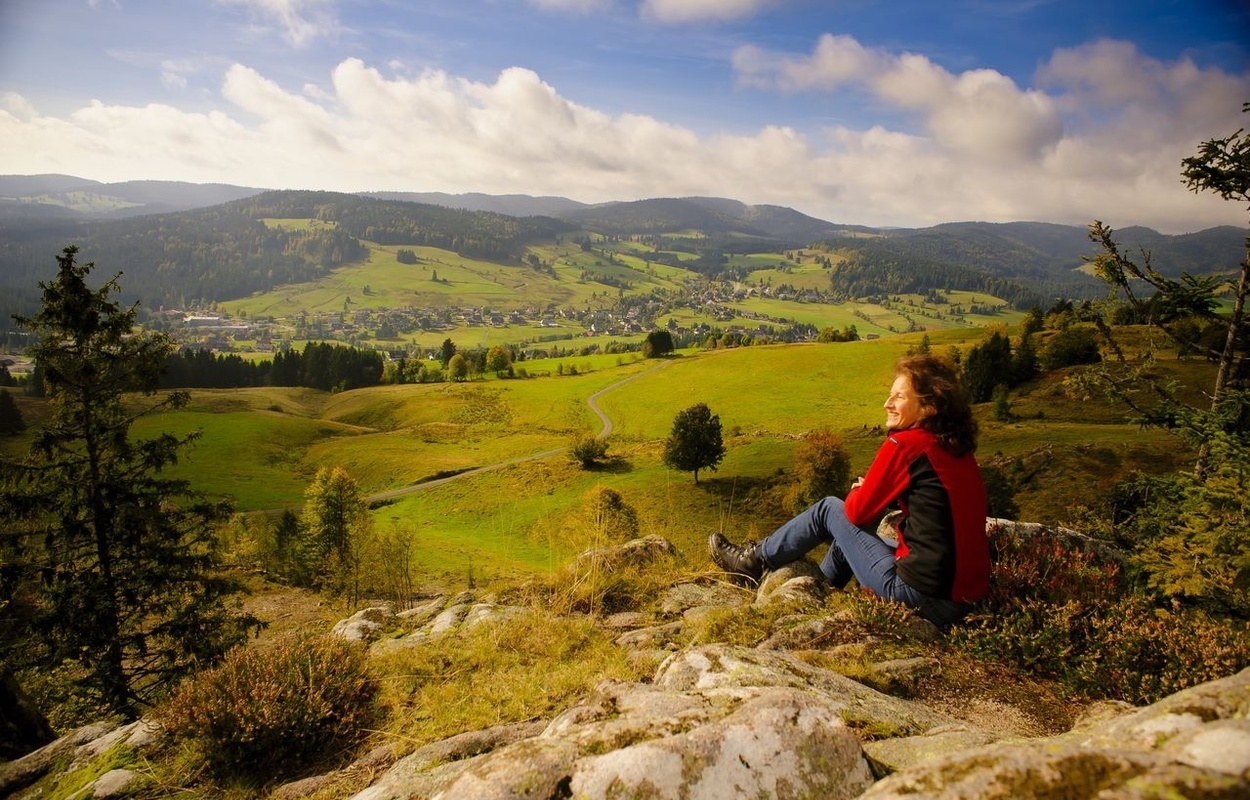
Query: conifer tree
[[11, 421], [119, 562]]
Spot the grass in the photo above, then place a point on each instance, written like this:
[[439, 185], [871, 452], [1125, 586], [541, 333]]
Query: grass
[[262, 446]]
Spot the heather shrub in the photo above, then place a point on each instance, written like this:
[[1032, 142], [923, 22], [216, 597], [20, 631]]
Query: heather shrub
[[1142, 654], [1054, 609], [1046, 568], [267, 712]]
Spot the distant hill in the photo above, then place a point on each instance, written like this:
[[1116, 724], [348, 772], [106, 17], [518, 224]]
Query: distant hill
[[181, 241], [514, 205], [27, 196], [713, 216]]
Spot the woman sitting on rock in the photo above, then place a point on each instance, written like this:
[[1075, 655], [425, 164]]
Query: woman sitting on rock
[[941, 564]]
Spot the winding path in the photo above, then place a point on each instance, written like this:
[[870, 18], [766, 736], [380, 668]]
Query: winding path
[[591, 401]]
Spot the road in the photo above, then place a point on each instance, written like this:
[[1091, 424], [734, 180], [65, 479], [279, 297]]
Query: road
[[591, 401]]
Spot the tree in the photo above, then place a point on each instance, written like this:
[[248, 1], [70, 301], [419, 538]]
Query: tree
[[118, 563], [822, 468], [332, 521], [988, 364], [657, 344], [11, 421], [458, 367], [1196, 548], [498, 359], [447, 350], [695, 442], [1070, 347]]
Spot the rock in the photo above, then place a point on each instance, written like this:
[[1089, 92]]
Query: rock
[[634, 553], [892, 755], [1195, 743], [114, 783], [1101, 552], [418, 774], [678, 599], [1151, 727], [625, 621], [633, 740], [650, 638], [15, 775], [423, 613], [365, 625], [801, 633], [720, 666], [908, 671], [1220, 746], [450, 617], [776, 580]]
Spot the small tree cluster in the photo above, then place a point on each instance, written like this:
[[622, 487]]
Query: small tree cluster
[[992, 363]]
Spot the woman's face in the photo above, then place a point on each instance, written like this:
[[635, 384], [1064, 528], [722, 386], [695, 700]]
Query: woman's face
[[903, 407]]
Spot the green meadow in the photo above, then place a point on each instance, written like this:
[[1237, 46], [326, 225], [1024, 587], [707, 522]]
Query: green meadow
[[262, 446]]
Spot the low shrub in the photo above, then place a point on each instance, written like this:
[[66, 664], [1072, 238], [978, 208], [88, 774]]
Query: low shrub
[[268, 712], [1055, 610]]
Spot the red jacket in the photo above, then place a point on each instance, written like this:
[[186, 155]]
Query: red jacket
[[942, 548]]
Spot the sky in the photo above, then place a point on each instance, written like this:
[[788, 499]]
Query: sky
[[864, 112]]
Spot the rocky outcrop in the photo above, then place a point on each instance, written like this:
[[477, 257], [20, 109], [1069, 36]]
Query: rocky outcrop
[[722, 721]]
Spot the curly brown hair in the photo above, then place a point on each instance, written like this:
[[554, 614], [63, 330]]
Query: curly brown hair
[[935, 381]]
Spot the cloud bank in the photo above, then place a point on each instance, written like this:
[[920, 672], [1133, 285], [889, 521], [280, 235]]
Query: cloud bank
[[1099, 135]]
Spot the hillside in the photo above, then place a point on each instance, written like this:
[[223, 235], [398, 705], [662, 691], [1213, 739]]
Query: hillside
[[223, 251]]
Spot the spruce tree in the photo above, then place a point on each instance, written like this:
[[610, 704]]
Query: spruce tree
[[11, 422], [119, 561]]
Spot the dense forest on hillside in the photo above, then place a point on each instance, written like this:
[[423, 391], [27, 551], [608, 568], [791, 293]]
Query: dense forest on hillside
[[875, 271], [171, 259], [227, 251]]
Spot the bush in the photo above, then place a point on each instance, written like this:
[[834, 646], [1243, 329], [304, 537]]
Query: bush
[[587, 450], [822, 468], [1055, 610], [267, 712], [1071, 347]]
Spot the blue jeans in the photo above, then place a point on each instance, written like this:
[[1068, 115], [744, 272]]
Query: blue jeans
[[853, 552]]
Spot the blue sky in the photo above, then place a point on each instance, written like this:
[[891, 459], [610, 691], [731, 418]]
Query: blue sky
[[862, 112]]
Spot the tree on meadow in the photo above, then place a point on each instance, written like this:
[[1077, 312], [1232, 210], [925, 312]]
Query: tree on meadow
[[987, 365], [498, 359], [117, 565], [657, 344], [333, 522], [458, 367], [695, 442], [446, 351]]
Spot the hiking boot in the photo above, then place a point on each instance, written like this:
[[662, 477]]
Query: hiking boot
[[743, 561]]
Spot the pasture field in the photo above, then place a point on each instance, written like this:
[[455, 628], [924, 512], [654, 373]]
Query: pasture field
[[262, 446], [439, 278]]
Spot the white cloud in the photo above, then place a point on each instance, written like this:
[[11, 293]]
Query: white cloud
[[301, 22], [684, 11], [1103, 138], [1103, 132]]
